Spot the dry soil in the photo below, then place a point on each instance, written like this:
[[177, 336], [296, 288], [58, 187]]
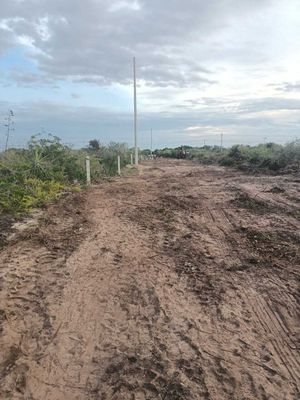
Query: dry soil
[[178, 281]]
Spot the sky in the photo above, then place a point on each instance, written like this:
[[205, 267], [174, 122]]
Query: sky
[[204, 68]]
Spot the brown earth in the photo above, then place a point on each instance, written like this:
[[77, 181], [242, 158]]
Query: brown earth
[[179, 282]]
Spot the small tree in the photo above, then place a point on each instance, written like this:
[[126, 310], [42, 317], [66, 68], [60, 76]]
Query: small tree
[[94, 144]]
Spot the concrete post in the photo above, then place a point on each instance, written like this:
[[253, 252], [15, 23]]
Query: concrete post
[[119, 165], [136, 151], [88, 170]]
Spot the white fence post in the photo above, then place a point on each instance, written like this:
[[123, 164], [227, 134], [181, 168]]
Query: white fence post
[[88, 169], [131, 159], [119, 165]]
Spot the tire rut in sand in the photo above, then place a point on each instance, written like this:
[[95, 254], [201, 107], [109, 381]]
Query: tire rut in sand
[[33, 275], [158, 304], [282, 350]]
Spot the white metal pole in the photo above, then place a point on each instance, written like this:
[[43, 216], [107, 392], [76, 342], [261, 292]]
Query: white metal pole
[[151, 145], [7, 134], [88, 170], [9, 127], [131, 159], [222, 141], [135, 116], [119, 165]]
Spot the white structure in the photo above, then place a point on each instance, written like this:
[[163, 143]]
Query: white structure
[[136, 150], [88, 170]]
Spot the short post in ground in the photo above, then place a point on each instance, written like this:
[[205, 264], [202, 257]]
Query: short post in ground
[[88, 169], [119, 165], [131, 159]]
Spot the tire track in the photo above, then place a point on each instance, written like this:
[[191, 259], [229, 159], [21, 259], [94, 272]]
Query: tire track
[[267, 321], [155, 303]]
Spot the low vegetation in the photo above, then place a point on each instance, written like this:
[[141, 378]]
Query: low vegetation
[[38, 174], [33, 176], [269, 157]]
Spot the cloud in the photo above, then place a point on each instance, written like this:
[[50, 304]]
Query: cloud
[[192, 128], [288, 87], [94, 41], [75, 95], [269, 104], [202, 66], [78, 124], [25, 78], [121, 5]]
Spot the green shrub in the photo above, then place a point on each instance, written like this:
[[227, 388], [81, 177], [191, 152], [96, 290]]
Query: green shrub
[[107, 156], [31, 177], [263, 157], [40, 192]]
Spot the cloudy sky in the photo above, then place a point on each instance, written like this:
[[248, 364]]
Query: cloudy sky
[[204, 68]]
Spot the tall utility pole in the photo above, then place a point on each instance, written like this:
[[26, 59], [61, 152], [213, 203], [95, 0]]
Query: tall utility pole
[[9, 125], [136, 150], [151, 145]]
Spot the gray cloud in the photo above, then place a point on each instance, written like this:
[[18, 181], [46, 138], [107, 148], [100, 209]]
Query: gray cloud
[[27, 78], [196, 59], [94, 41], [77, 125], [75, 95], [269, 104], [288, 87]]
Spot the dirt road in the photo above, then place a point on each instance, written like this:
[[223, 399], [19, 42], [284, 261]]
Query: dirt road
[[179, 282]]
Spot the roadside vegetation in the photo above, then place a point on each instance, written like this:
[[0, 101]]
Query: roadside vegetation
[[38, 174], [46, 168], [268, 157]]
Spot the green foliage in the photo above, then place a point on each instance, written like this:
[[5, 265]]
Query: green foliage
[[94, 144], [263, 157], [107, 156], [16, 198], [145, 152], [40, 192], [33, 176], [171, 152], [268, 157]]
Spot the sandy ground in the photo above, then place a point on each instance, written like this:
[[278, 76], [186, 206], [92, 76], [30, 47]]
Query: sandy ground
[[176, 282]]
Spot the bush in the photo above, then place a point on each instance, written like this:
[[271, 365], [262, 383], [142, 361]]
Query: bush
[[270, 157], [36, 175], [109, 154]]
